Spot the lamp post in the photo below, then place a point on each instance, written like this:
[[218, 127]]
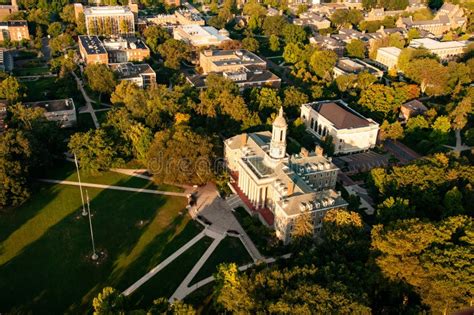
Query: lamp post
[[94, 254], [84, 212]]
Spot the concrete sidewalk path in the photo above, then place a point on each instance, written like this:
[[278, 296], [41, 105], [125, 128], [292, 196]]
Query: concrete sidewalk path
[[163, 264], [122, 188], [183, 290]]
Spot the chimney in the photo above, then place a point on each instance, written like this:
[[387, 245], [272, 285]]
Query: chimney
[[291, 188], [319, 150], [304, 152], [243, 138]]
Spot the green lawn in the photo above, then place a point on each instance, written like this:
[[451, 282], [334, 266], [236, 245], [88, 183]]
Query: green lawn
[[65, 170], [164, 283], [44, 244], [30, 71], [229, 250]]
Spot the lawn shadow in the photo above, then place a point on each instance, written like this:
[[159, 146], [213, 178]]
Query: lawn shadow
[[53, 272]]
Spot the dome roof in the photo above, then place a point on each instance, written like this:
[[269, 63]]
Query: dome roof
[[280, 121]]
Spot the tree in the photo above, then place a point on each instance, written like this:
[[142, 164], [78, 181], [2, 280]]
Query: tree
[[460, 113], [10, 89], [108, 302], [217, 22], [15, 152], [344, 17], [274, 43], [95, 151], [392, 209], [303, 227], [174, 52], [356, 48], [396, 40], [61, 43], [64, 64], [274, 25], [265, 98], [322, 62], [378, 98], [54, 29], [392, 131], [294, 97], [294, 33], [453, 202], [441, 125], [417, 123], [434, 258], [163, 306], [251, 44], [413, 33], [292, 52], [430, 74], [181, 156], [155, 36], [68, 15], [100, 78]]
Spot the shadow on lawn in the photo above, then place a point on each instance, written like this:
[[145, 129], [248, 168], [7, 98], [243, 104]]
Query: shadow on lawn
[[53, 274]]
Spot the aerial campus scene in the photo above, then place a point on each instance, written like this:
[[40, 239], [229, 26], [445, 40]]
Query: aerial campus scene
[[236, 157]]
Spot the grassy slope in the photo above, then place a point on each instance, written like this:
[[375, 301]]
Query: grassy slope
[[44, 244]]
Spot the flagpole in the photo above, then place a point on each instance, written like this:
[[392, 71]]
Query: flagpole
[[84, 213], [94, 254]]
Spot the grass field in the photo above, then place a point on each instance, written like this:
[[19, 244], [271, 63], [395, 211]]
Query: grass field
[[45, 244], [229, 250]]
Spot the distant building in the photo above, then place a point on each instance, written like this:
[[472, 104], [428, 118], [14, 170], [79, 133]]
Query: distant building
[[109, 20], [449, 16], [243, 67], [245, 77], [329, 43], [92, 50], [173, 3], [388, 56], [351, 132], [61, 111], [411, 109], [316, 21], [201, 36], [6, 60], [228, 60], [7, 9], [179, 17], [444, 50], [280, 188], [14, 31], [126, 49], [115, 50], [140, 74], [346, 66]]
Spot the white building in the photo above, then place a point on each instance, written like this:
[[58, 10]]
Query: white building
[[109, 20], [141, 74], [279, 187], [388, 56], [351, 132], [201, 36], [61, 111], [444, 50]]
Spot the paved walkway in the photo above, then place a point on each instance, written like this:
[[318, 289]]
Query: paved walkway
[[183, 290], [89, 109], [122, 188], [163, 264], [459, 146]]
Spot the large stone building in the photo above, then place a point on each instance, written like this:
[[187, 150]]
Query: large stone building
[[243, 67], [446, 51], [14, 31], [388, 57], [7, 9], [201, 36], [345, 66], [350, 131], [229, 60], [449, 16], [109, 20], [313, 20], [279, 187], [179, 17], [115, 50]]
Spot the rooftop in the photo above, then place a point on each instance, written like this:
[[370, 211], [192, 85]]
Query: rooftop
[[131, 70], [432, 44], [108, 10], [14, 23], [415, 105], [394, 51], [53, 105], [92, 44], [340, 115]]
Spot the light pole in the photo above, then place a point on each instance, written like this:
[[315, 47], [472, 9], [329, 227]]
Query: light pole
[[94, 254], [84, 212]]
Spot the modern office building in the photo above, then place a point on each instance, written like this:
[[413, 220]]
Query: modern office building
[[200, 36]]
